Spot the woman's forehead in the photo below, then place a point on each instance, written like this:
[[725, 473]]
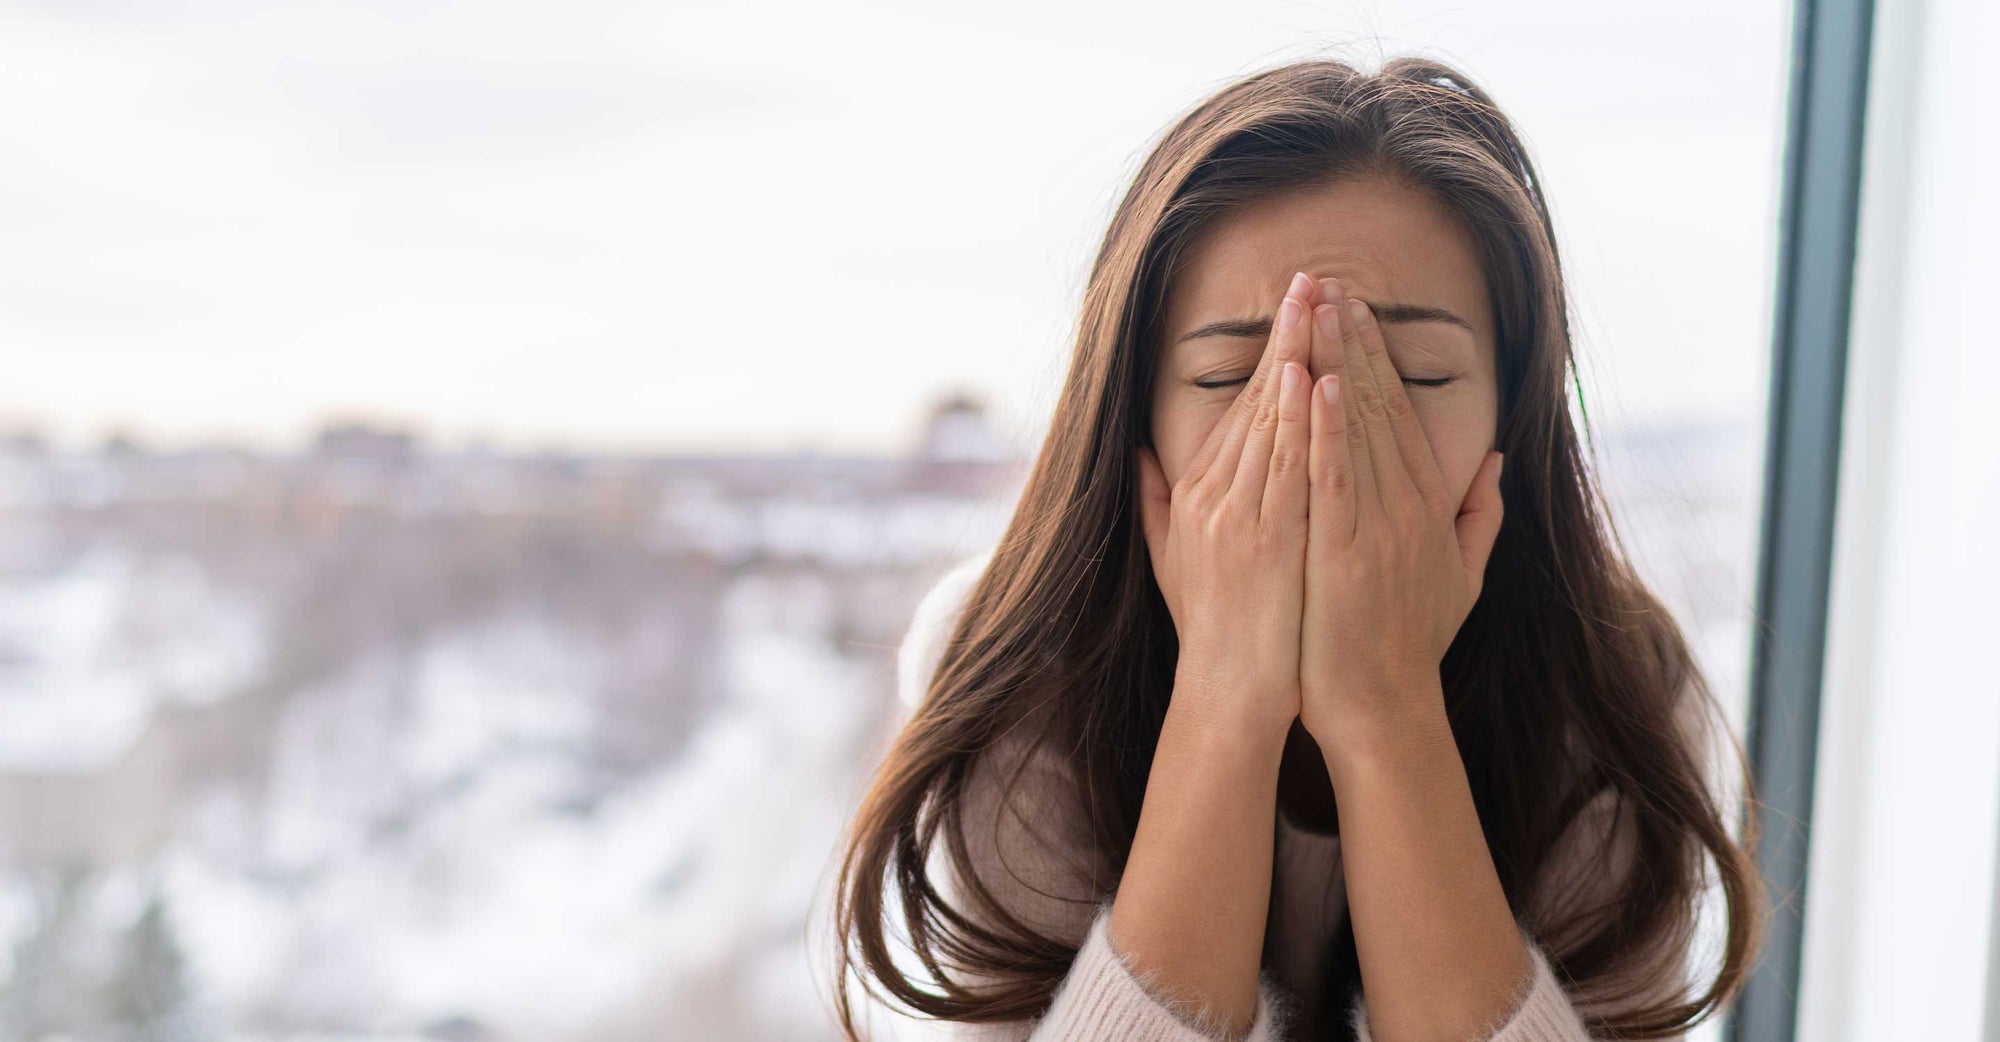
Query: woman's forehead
[[1384, 242]]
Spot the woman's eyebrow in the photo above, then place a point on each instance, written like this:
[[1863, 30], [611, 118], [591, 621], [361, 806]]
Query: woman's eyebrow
[[1385, 313]]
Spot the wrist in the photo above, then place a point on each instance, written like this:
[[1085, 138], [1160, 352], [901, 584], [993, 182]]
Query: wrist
[[1230, 719], [1238, 693], [1398, 728]]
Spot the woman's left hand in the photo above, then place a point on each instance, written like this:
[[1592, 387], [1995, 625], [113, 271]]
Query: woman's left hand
[[1393, 564]]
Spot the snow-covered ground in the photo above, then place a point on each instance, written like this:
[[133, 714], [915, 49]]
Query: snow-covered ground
[[87, 650], [480, 754]]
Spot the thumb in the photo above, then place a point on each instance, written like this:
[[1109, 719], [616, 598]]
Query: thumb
[[1478, 521]]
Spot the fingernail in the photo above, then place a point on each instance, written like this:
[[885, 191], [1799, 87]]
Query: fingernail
[[1358, 310], [1301, 285], [1328, 318], [1292, 375], [1330, 387], [1332, 290], [1288, 313]]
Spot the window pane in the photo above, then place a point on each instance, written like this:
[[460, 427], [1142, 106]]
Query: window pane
[[468, 470]]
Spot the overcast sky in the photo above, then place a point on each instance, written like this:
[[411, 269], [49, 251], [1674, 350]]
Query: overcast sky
[[746, 227]]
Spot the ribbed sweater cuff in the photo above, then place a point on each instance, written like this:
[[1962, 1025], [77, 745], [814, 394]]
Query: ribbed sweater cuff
[[1105, 997], [1543, 1014]]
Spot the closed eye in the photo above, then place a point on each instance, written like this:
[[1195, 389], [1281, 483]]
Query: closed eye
[[1439, 381]]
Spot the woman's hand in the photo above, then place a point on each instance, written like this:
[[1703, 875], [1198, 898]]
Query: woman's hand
[[1228, 540], [1393, 565]]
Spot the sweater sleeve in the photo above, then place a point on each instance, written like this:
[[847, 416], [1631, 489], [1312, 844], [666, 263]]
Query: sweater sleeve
[[1540, 1013], [1106, 997]]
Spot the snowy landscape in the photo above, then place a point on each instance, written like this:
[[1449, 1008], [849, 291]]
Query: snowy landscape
[[375, 741]]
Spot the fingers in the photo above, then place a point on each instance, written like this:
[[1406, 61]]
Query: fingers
[[1397, 418], [1478, 521], [1353, 372], [1375, 441], [1285, 479], [1155, 505], [1217, 457], [1249, 446], [1332, 474], [1326, 356], [1252, 446]]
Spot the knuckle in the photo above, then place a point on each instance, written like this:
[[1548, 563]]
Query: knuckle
[[1193, 498], [1398, 406], [1215, 499], [1265, 418], [1285, 461]]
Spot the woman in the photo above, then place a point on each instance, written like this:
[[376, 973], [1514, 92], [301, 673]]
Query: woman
[[1283, 709]]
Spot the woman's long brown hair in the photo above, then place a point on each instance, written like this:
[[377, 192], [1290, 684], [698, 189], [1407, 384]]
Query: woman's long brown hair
[[1562, 682]]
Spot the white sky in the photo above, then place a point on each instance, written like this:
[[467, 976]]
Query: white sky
[[746, 227]]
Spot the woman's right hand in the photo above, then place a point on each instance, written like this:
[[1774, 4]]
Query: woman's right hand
[[1228, 538]]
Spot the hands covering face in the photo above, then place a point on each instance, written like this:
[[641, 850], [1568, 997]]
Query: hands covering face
[[1312, 559]]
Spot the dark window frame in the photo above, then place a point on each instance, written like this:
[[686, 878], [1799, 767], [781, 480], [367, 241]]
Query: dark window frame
[[1818, 223]]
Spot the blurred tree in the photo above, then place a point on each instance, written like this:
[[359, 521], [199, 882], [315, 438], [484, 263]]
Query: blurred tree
[[49, 989], [150, 994]]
